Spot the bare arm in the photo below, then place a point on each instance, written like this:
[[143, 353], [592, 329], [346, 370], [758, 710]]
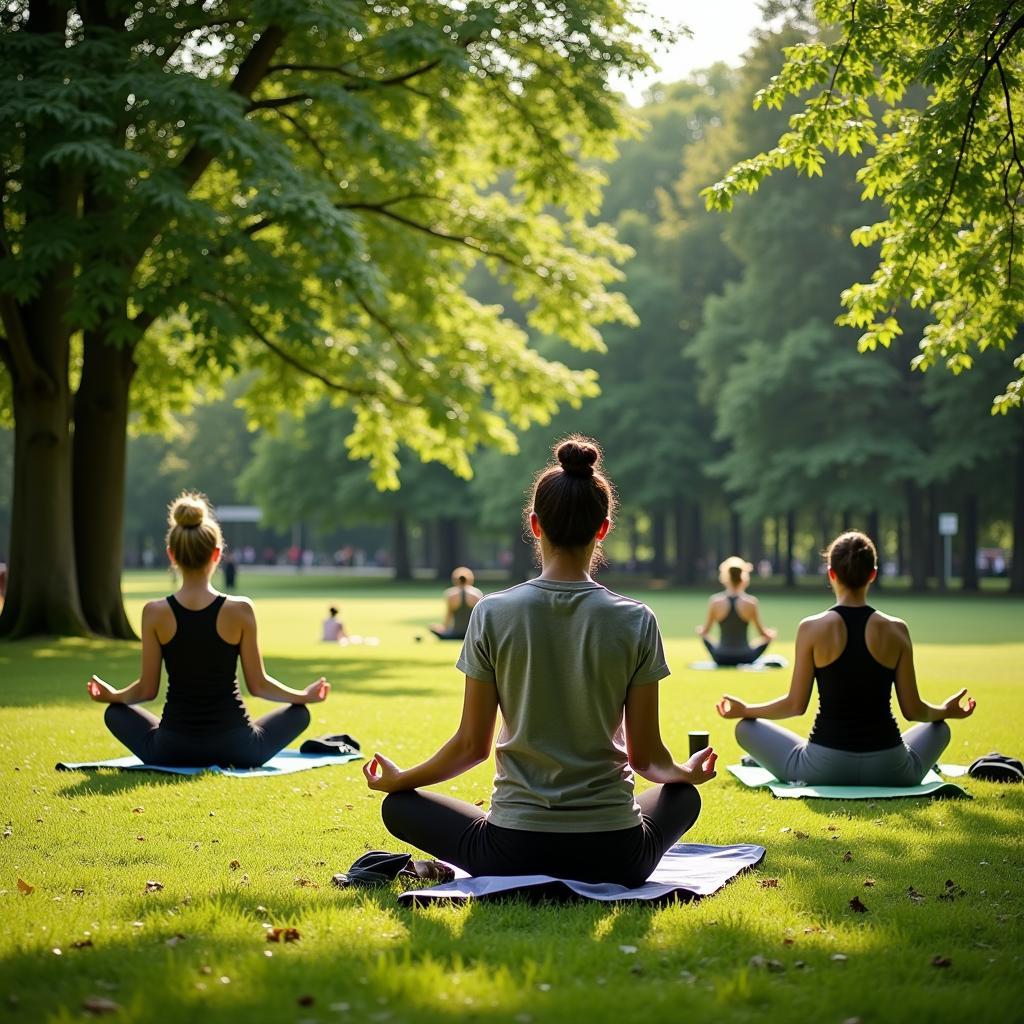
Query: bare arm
[[755, 619], [470, 745], [710, 621], [914, 708], [793, 703], [147, 686], [259, 683], [647, 753]]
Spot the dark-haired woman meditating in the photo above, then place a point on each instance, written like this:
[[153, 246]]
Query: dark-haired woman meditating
[[856, 654], [574, 670], [200, 634], [734, 610]]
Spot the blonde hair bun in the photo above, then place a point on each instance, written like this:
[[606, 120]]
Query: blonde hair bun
[[194, 532], [188, 509]]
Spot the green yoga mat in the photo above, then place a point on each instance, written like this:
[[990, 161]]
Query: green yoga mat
[[931, 785]]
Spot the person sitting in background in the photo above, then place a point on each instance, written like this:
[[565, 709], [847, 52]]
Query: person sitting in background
[[333, 628], [459, 601], [856, 654], [200, 634], [734, 610]]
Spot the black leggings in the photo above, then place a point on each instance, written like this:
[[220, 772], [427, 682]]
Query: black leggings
[[459, 833], [247, 746], [731, 656]]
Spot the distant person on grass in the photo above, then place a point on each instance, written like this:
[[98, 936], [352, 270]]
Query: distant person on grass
[[856, 654], [574, 670], [734, 610], [459, 600], [200, 635], [333, 629]]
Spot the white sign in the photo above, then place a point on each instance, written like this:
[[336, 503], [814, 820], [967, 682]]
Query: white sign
[[949, 523], [238, 513]]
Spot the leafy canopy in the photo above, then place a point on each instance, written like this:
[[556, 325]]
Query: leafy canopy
[[932, 93], [301, 189]]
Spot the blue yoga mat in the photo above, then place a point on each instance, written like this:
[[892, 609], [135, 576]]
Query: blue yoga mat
[[931, 785], [285, 763], [688, 871]]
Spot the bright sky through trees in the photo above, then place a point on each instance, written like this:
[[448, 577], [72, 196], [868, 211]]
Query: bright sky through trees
[[720, 31]]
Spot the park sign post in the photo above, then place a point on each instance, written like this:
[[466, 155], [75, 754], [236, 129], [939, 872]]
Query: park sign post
[[949, 524]]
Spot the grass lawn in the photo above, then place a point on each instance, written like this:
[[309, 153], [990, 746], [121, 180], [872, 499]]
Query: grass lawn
[[196, 949]]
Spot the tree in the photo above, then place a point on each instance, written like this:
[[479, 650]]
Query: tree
[[944, 81], [301, 190]]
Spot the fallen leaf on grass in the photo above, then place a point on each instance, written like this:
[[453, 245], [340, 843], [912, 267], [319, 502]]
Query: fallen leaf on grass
[[152, 886], [99, 1005], [141, 839], [283, 935], [869, 883], [627, 949], [941, 961], [81, 943], [759, 962], [788, 941], [235, 865], [847, 857], [174, 940], [8, 832], [206, 969], [801, 835], [78, 891], [952, 891], [24, 888], [306, 883], [786, 829], [306, 1000], [913, 894], [138, 810], [769, 883], [857, 906], [839, 958]]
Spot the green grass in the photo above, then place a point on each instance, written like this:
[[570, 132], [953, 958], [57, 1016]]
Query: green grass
[[362, 958]]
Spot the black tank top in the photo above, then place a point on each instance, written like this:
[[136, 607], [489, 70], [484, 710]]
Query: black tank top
[[854, 693], [202, 685], [460, 616], [733, 630]]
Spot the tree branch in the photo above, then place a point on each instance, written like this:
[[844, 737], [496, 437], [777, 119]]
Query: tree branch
[[21, 361], [285, 356], [279, 101], [265, 222]]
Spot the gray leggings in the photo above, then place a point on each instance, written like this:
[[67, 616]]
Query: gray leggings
[[791, 758]]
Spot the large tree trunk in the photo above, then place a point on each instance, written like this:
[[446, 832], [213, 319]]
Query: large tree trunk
[[916, 538], [735, 533], [687, 537], [42, 589], [400, 535], [1017, 557], [969, 543], [659, 539], [98, 468]]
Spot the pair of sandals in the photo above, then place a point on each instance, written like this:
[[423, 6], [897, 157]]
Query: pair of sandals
[[379, 867]]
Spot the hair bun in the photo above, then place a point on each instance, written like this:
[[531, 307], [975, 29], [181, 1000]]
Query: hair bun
[[578, 456], [188, 510]]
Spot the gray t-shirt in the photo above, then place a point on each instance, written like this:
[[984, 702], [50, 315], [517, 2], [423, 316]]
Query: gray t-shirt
[[563, 656]]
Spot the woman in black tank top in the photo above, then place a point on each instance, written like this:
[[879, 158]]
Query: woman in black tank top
[[855, 654], [733, 647], [205, 721]]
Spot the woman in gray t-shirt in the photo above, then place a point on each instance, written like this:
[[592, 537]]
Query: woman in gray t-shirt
[[574, 670]]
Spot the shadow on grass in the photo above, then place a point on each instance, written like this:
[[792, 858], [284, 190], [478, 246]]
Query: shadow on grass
[[112, 782]]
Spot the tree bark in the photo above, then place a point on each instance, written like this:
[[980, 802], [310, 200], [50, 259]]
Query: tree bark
[[1017, 556], [969, 543], [930, 537], [659, 538], [686, 521], [403, 562], [98, 479], [42, 588], [735, 533], [916, 538]]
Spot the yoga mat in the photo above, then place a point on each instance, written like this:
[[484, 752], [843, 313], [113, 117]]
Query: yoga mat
[[285, 763], [930, 785], [765, 664], [686, 872]]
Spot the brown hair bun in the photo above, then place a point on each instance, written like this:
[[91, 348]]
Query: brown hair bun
[[578, 456], [853, 558]]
